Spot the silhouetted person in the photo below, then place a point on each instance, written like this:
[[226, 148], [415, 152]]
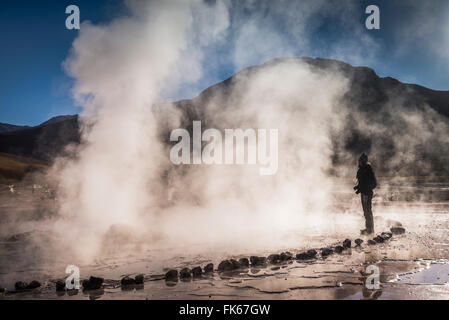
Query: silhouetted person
[[366, 183]]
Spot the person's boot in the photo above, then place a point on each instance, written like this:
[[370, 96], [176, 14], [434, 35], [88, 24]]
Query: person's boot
[[366, 232]]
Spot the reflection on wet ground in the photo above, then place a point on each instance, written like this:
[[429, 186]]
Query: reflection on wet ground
[[414, 265], [337, 277]]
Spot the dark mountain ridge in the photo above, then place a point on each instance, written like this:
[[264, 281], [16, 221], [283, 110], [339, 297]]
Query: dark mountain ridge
[[5, 127], [42, 142], [375, 98]]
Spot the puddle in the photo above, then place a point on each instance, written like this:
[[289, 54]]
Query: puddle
[[435, 273]]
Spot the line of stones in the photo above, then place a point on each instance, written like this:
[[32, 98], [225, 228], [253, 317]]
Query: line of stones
[[256, 261], [94, 283]]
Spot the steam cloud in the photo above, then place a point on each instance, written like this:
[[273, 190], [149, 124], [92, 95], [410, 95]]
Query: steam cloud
[[121, 176]]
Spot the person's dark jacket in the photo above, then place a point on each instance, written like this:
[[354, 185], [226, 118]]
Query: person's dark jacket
[[367, 180]]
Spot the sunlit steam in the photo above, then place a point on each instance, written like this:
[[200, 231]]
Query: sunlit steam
[[121, 176]]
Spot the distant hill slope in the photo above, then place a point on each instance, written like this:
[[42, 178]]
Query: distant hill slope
[[44, 141], [367, 90], [14, 167], [5, 127], [58, 119], [376, 107], [369, 96]]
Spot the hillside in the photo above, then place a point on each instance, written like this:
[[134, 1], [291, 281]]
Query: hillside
[[42, 142], [5, 127], [379, 109], [14, 167]]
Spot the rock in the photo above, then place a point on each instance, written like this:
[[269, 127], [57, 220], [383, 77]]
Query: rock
[[209, 268], [339, 249], [197, 271], [387, 235], [378, 239], [371, 242], [310, 254], [397, 230], [20, 286], [326, 251], [185, 273], [257, 261], [274, 258], [358, 242], [94, 283], [139, 279], [285, 256], [127, 281], [235, 264], [303, 256], [60, 285], [384, 237], [347, 243], [244, 262], [33, 285], [171, 274], [225, 265]]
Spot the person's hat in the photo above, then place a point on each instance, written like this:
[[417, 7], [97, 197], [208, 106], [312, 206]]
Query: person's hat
[[363, 158]]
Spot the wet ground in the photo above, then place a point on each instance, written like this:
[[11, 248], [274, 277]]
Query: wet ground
[[414, 265]]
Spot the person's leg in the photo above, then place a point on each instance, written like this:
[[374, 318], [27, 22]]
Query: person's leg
[[362, 197], [369, 221]]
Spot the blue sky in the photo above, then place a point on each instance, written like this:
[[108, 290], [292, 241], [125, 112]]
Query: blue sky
[[412, 46]]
